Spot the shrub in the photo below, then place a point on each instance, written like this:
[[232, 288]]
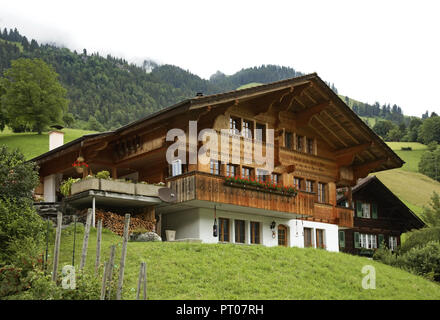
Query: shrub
[[21, 228], [424, 261], [406, 148], [103, 175], [17, 177], [419, 238], [66, 186]]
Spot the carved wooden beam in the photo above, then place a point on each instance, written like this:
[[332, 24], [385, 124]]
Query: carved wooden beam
[[362, 170], [302, 118], [323, 136], [345, 156]]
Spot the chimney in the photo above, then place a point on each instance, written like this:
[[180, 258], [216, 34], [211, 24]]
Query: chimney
[[56, 139]]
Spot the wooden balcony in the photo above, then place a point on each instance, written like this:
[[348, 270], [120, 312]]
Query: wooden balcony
[[344, 217], [204, 186]]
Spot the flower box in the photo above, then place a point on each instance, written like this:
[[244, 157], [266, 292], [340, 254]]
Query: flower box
[[84, 185], [148, 190], [117, 186]]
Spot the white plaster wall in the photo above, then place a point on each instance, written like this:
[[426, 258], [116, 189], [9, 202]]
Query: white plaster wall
[[49, 188], [207, 221], [186, 223], [198, 223], [331, 236]]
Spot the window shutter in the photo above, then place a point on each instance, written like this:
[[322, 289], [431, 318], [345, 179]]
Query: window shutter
[[357, 242], [342, 239], [358, 209], [374, 210], [380, 240]]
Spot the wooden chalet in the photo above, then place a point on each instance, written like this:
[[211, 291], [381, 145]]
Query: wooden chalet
[[320, 145], [380, 218]]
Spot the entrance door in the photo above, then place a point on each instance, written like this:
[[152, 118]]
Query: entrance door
[[282, 235]]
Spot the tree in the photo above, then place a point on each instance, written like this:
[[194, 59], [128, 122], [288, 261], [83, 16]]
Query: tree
[[382, 127], [430, 130], [17, 214], [33, 95], [431, 213], [429, 163]]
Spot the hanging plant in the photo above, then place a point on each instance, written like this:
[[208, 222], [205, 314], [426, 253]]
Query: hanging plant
[[80, 165]]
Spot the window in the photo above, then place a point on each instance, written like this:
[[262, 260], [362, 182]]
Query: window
[[260, 133], [308, 238], [299, 143], [282, 235], [239, 231], [368, 241], [234, 125], [320, 238], [223, 229], [309, 186], [275, 178], [310, 146], [255, 232], [393, 243], [366, 210], [262, 175], [288, 136], [176, 167], [321, 193], [297, 182], [248, 128], [214, 167], [231, 170], [341, 238], [246, 172]]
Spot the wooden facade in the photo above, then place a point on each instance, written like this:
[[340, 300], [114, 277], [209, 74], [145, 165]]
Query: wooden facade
[[380, 218], [319, 143]]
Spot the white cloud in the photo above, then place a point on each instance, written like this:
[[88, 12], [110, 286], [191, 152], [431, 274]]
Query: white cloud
[[376, 50]]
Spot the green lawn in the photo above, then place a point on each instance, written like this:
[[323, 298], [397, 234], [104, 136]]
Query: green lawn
[[225, 271], [411, 158], [33, 144]]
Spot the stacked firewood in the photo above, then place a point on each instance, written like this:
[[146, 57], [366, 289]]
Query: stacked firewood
[[115, 222]]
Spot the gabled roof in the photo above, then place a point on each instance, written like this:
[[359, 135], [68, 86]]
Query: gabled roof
[[338, 125], [375, 187]]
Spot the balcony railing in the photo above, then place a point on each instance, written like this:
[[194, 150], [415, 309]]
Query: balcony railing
[[198, 185], [204, 186]]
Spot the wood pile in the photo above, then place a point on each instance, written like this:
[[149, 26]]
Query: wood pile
[[115, 222]]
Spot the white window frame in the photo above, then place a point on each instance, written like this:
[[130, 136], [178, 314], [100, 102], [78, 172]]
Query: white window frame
[[176, 167], [366, 210], [393, 243], [368, 241]]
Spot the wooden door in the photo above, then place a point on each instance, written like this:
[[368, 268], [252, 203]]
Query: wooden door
[[320, 238], [282, 235]]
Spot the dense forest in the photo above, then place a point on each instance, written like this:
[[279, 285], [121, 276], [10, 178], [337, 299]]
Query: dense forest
[[107, 92]]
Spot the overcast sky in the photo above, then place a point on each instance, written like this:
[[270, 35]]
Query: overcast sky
[[386, 51]]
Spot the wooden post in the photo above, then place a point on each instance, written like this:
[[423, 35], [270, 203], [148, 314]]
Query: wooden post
[[142, 281], [123, 255], [93, 212], [110, 269], [104, 280], [98, 246], [86, 239], [56, 251], [74, 240]]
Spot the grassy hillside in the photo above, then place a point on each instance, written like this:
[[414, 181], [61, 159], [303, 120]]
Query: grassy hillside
[[33, 144], [413, 188], [224, 271]]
